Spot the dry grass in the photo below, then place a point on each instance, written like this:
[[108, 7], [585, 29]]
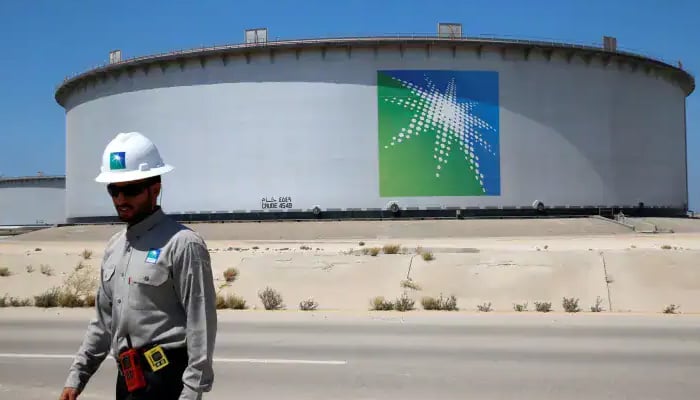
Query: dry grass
[[14, 302], [484, 307], [230, 301], [440, 304], [220, 302], [81, 283], [379, 303], [373, 251], [543, 306], [597, 307], [230, 275], [308, 305], [410, 284], [271, 299], [235, 302], [570, 304], [48, 299], [404, 303], [391, 248], [671, 309], [86, 254]]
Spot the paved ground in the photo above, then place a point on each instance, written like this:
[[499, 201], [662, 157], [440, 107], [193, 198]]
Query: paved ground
[[292, 355]]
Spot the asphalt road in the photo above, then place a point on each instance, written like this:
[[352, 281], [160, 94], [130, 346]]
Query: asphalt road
[[292, 355]]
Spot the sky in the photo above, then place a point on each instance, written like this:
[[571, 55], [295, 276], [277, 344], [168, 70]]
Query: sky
[[43, 41]]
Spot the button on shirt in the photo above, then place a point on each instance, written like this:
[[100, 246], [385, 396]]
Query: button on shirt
[[157, 287]]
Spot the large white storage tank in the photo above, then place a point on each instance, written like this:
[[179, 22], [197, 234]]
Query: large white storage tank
[[32, 200], [348, 127]]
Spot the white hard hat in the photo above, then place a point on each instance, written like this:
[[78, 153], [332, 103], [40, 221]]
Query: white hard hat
[[129, 157]]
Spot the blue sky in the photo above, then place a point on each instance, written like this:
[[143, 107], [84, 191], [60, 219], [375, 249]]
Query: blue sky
[[42, 41]]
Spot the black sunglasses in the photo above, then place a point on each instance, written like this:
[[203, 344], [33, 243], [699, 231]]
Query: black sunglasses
[[130, 190]]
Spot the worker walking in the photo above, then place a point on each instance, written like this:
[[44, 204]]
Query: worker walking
[[156, 307]]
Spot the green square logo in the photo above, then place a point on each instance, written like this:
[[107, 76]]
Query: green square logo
[[438, 133], [117, 160]]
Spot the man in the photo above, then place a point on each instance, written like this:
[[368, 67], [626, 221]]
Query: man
[[156, 299]]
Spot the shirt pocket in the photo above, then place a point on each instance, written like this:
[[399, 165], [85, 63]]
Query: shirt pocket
[[108, 272], [150, 288]]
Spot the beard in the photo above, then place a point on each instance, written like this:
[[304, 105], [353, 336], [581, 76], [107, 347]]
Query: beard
[[132, 214]]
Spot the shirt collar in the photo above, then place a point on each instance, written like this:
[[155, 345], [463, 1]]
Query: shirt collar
[[136, 231]]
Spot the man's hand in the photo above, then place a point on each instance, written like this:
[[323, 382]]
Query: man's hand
[[69, 393]]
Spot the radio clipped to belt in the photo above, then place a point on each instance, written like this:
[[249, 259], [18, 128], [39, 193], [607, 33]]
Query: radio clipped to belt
[[132, 369]]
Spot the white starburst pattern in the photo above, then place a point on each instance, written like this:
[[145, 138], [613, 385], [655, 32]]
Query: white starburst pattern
[[452, 123]]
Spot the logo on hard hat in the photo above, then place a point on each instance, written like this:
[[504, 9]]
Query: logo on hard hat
[[117, 160]]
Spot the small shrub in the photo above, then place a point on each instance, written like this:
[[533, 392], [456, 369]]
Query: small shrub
[[308, 305], [86, 254], [671, 309], [543, 306], [4, 271], [361, 244], [520, 307], [391, 248], [80, 266], [48, 298], [410, 284], [271, 299], [37, 249], [305, 247], [78, 285], [404, 303], [439, 304], [4, 301], [70, 300], [380, 304], [46, 270], [235, 302], [255, 247], [428, 256], [485, 307], [90, 300], [666, 247], [30, 269], [597, 307], [220, 302], [570, 304], [374, 251], [230, 275], [17, 302]]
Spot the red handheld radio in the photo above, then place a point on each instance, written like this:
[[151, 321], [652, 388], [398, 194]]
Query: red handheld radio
[[130, 363]]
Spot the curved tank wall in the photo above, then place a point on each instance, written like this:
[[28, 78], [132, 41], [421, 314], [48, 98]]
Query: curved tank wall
[[32, 201], [358, 128]]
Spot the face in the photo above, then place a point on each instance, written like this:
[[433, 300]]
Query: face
[[134, 200]]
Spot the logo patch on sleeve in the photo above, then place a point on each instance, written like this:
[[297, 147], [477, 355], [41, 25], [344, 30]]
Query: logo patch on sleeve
[[152, 256]]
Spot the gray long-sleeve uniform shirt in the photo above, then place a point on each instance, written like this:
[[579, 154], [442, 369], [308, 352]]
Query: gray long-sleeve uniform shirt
[[157, 286]]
